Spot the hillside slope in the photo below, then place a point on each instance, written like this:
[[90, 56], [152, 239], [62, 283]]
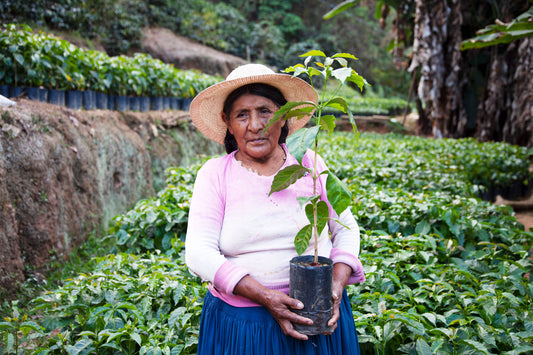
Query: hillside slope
[[185, 53]]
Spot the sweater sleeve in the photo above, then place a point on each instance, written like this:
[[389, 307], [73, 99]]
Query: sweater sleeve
[[206, 215], [346, 243]]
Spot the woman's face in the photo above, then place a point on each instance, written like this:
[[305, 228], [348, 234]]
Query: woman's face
[[247, 120]]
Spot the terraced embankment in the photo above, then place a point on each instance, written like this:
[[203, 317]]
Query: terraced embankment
[[65, 173]]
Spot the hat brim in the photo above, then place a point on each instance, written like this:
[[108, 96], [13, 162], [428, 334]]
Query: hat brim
[[206, 107]]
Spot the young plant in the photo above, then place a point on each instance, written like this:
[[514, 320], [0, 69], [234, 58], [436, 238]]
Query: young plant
[[334, 67]]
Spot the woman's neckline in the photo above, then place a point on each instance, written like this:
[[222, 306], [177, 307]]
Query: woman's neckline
[[255, 172]]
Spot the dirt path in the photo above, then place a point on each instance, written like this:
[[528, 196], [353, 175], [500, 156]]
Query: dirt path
[[526, 218], [523, 210]]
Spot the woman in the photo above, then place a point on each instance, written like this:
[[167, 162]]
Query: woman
[[240, 239]]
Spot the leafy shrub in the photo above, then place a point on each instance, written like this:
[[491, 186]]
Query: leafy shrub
[[446, 271], [153, 223], [35, 59], [128, 304]]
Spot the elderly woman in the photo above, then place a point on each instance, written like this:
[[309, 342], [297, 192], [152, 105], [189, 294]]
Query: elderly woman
[[241, 240]]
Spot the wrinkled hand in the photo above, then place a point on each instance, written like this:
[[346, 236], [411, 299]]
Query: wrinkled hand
[[341, 274], [337, 297], [276, 302], [280, 305]]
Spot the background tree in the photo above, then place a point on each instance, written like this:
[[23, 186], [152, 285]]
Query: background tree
[[485, 92]]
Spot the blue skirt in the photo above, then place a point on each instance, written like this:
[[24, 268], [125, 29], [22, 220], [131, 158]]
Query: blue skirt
[[229, 330]]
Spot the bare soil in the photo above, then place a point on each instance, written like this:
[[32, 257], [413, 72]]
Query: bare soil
[[523, 210]]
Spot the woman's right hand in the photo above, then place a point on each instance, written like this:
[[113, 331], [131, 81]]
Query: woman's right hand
[[276, 302], [280, 305]]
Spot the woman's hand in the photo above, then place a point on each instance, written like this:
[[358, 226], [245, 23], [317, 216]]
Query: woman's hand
[[280, 305], [341, 275], [276, 302]]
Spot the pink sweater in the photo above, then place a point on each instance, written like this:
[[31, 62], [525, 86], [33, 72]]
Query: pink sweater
[[235, 229]]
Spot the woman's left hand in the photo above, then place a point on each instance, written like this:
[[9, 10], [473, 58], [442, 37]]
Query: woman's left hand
[[341, 274]]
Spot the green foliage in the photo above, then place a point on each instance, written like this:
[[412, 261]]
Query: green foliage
[[498, 33], [17, 329], [38, 59], [153, 223], [128, 304], [273, 32], [446, 272], [334, 67]]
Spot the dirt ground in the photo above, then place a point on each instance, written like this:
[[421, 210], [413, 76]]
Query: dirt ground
[[523, 210], [526, 218]]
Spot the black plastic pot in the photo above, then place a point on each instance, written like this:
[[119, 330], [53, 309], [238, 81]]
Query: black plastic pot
[[56, 97], [4, 90], [43, 94], [135, 103], [174, 103], [89, 100], [15, 91], [37, 93], [74, 99], [166, 102], [145, 104], [185, 104], [312, 285], [157, 103], [101, 101], [111, 102], [33, 93], [122, 103]]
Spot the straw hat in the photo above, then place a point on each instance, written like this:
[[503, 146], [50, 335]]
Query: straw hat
[[206, 108]]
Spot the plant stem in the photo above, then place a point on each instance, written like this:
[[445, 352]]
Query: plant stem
[[315, 214]]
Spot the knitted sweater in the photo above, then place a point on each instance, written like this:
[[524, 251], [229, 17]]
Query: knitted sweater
[[236, 229]]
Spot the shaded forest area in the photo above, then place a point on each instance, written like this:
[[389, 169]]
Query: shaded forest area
[[486, 92]]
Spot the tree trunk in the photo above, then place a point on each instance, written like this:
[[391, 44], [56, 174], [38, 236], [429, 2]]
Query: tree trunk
[[438, 25], [519, 128], [506, 113], [486, 93]]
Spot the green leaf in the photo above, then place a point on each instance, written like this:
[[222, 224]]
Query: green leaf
[[352, 121], [10, 342], [423, 227], [327, 122], [30, 325], [301, 241], [175, 316], [301, 140], [287, 176], [422, 347], [338, 103], [339, 8], [498, 33], [299, 112], [6, 325], [344, 55], [137, 338], [322, 214], [357, 80], [342, 74], [302, 108], [477, 345], [19, 58], [339, 195], [311, 71], [304, 200], [80, 346], [315, 53], [177, 349]]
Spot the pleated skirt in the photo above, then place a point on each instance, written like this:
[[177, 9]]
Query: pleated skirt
[[229, 330]]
